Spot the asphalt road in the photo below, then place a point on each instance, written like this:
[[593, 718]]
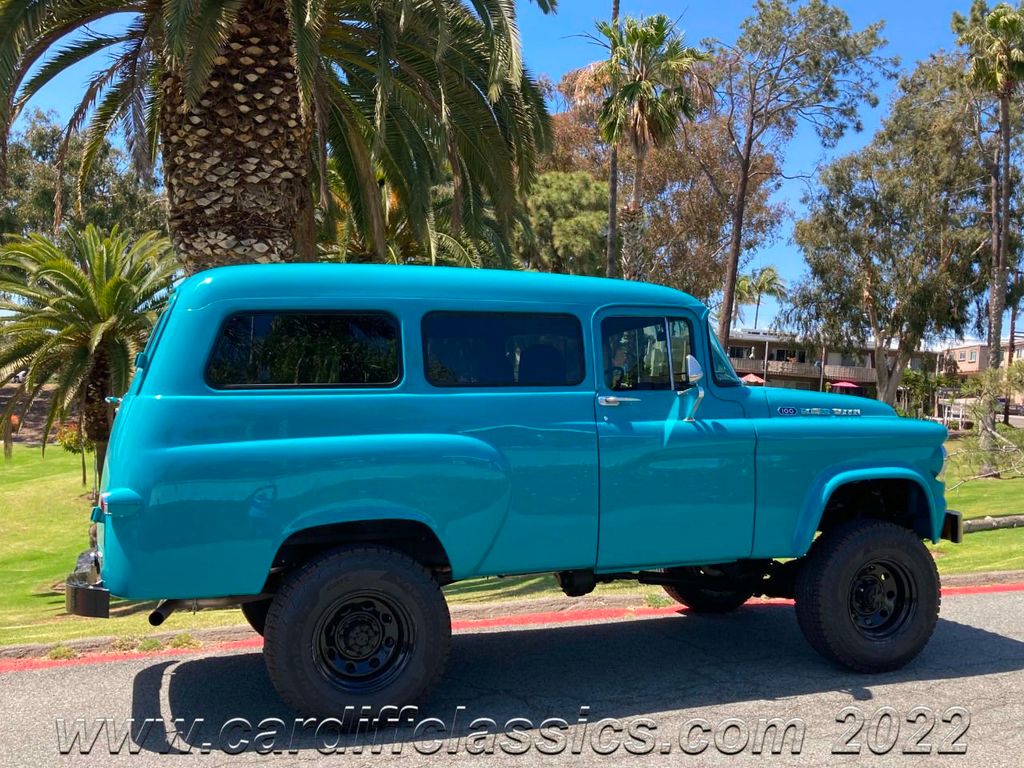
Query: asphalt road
[[655, 677]]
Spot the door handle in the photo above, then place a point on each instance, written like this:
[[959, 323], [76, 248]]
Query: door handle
[[613, 401]]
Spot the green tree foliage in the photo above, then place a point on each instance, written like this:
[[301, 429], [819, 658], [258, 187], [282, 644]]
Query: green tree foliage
[[792, 64], [480, 241], [650, 74], [76, 317], [994, 41], [891, 239], [114, 194], [685, 187], [568, 217], [753, 287], [246, 100]]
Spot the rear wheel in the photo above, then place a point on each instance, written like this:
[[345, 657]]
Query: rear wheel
[[703, 592], [255, 612], [359, 627], [868, 595]]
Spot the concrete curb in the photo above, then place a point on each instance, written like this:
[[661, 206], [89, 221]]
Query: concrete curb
[[495, 615]]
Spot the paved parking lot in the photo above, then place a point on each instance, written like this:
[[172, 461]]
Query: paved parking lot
[[678, 689]]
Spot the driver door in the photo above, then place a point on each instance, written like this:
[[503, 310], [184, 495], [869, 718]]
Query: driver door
[[673, 490]]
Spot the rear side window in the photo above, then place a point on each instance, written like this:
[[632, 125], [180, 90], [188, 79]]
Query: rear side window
[[506, 349], [306, 349]]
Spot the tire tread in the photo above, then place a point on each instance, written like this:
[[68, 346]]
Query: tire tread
[[811, 613]]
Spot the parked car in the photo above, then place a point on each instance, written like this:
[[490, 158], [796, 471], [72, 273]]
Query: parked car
[[329, 445]]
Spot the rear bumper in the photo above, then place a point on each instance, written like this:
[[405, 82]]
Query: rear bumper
[[84, 593], [953, 526]]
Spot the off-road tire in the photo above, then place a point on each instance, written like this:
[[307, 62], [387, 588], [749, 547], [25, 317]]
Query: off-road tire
[[832, 609], [702, 600], [321, 591], [255, 612]]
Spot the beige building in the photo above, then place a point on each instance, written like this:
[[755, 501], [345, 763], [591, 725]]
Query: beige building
[[971, 357], [783, 361]]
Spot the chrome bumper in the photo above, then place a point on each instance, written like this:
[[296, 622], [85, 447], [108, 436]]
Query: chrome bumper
[[84, 593]]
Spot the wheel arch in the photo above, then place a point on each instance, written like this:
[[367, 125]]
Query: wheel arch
[[410, 535], [899, 494]]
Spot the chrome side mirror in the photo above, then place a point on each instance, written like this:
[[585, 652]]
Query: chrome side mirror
[[694, 373]]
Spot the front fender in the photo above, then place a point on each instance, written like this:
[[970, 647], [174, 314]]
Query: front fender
[[827, 484]]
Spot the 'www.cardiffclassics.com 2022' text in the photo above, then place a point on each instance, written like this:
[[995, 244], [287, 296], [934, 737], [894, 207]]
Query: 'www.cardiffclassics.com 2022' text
[[393, 730]]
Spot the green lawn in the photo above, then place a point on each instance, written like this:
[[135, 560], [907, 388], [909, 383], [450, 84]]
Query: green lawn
[[44, 514]]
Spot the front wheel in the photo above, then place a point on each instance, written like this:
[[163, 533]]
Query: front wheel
[[868, 595], [356, 627]]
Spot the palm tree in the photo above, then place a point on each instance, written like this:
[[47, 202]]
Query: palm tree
[[76, 317], [744, 297], [480, 242], [764, 282], [995, 45], [245, 101], [650, 72], [611, 257]]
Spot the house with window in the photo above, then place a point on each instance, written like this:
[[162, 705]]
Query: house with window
[[779, 359], [971, 356]]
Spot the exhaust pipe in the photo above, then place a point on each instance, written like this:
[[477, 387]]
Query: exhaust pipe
[[164, 609]]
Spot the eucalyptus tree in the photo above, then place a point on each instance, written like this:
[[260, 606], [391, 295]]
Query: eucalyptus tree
[[891, 237], [113, 193], [75, 316], [792, 65], [650, 71], [245, 101]]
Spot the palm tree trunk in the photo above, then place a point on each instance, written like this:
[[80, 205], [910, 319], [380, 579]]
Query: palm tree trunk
[[1009, 356], [632, 219], [96, 416], [612, 266], [237, 162], [637, 199], [997, 284], [757, 310]]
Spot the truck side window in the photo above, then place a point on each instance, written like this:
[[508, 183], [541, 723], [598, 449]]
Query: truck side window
[[635, 353], [305, 349], [721, 369], [682, 345], [502, 349]]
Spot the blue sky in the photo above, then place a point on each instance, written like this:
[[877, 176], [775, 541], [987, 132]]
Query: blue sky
[[913, 28], [553, 45]]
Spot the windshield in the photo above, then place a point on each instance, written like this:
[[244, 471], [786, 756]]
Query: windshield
[[721, 368]]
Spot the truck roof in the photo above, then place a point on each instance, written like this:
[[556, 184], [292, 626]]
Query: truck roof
[[291, 281]]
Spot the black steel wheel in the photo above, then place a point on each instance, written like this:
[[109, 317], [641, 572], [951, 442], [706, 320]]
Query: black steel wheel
[[867, 595], [356, 627], [882, 599], [363, 641]]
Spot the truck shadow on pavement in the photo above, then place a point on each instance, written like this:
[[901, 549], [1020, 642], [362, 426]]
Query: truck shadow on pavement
[[618, 669]]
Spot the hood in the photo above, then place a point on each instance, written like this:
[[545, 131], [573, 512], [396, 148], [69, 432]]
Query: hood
[[833, 404]]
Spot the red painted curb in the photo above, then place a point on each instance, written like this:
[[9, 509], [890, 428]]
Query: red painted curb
[[496, 622]]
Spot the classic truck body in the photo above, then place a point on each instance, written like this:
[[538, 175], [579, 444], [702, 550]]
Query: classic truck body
[[328, 445], [206, 485]]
